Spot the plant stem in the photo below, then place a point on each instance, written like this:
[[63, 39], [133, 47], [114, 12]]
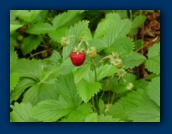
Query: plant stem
[[95, 72], [131, 16], [95, 98], [142, 47], [32, 55], [113, 97], [93, 103], [79, 44], [107, 85]]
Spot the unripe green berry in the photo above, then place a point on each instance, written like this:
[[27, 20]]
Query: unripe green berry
[[64, 41], [92, 52]]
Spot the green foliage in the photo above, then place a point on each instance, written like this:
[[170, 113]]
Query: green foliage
[[133, 60], [79, 114], [153, 62], [13, 27], [78, 30], [30, 43], [21, 113], [65, 18], [51, 110], [40, 28], [154, 90], [144, 109], [86, 89], [46, 87], [119, 28], [106, 70], [27, 15], [14, 76], [122, 45], [81, 72], [137, 22]]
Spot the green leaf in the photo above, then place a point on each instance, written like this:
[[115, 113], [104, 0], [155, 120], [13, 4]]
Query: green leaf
[[145, 114], [154, 90], [105, 70], [22, 85], [98, 44], [13, 58], [102, 28], [14, 27], [91, 117], [48, 91], [30, 43], [14, 79], [67, 102], [51, 110], [78, 30], [42, 16], [141, 83], [133, 60], [104, 25], [101, 106], [29, 68], [54, 59], [21, 112], [90, 77], [40, 28], [87, 90], [65, 18], [107, 118], [41, 92], [118, 88], [81, 72], [120, 28], [130, 77], [127, 105], [31, 95], [122, 45], [67, 89], [122, 13], [27, 15], [79, 114], [56, 35], [66, 67], [153, 62], [49, 74], [137, 22], [154, 51]]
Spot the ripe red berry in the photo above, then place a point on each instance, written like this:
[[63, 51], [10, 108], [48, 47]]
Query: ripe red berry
[[77, 58]]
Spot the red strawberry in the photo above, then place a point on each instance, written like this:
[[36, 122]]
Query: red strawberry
[[77, 58]]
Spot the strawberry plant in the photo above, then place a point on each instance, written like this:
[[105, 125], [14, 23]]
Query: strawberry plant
[[66, 66]]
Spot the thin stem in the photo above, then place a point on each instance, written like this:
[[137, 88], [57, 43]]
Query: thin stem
[[141, 11], [142, 47], [95, 72], [131, 19], [107, 85], [94, 108], [88, 46], [113, 97], [32, 55], [79, 44], [131, 15]]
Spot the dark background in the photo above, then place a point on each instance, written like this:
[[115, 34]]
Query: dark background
[[116, 128]]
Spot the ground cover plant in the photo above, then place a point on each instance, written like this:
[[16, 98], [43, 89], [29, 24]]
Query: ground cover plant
[[85, 66]]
